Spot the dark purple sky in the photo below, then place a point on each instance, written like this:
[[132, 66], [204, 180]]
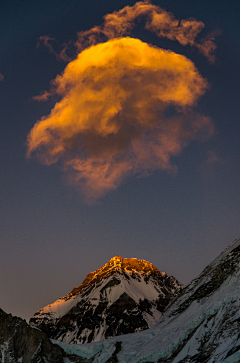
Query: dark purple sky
[[51, 238]]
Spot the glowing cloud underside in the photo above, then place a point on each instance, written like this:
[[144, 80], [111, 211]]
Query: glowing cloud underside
[[111, 120]]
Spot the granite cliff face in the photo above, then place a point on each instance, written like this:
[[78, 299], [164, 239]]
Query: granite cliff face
[[124, 296]]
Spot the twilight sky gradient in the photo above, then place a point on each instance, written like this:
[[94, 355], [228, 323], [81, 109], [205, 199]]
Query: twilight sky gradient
[[152, 170]]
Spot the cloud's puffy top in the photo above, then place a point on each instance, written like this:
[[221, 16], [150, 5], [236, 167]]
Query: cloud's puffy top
[[155, 19], [113, 118], [152, 17]]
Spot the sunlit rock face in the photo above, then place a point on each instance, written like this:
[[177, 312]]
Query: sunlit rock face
[[124, 296]]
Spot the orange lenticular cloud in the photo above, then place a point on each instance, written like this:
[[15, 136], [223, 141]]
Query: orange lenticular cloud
[[113, 118]]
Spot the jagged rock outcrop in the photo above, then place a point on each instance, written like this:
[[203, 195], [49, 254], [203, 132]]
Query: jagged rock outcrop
[[124, 296], [22, 343], [19, 342], [201, 325]]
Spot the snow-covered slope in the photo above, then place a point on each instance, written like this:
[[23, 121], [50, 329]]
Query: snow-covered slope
[[125, 295], [200, 325]]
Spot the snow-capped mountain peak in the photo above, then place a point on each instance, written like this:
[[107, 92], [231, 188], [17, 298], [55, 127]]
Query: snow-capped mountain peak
[[124, 295], [200, 325]]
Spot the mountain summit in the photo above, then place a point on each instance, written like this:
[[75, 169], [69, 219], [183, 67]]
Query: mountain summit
[[125, 295], [201, 325]]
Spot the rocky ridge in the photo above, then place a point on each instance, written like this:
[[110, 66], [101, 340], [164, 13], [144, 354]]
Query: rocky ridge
[[22, 343], [125, 295], [19, 342]]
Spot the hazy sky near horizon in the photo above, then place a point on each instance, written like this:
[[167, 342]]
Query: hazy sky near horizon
[[153, 170]]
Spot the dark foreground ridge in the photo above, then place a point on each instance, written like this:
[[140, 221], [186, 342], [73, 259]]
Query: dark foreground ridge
[[19, 342]]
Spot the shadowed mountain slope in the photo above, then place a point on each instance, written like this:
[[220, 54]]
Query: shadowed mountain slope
[[19, 342]]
